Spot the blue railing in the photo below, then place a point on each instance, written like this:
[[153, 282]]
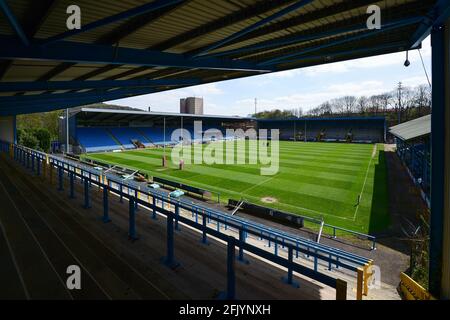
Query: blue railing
[[201, 216]]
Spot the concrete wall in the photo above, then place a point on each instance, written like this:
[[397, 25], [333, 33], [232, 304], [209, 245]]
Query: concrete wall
[[8, 128]]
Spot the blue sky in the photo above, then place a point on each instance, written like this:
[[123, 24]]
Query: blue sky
[[306, 88]]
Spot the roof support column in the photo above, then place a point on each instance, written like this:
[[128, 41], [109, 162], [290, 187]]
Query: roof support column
[[439, 268]]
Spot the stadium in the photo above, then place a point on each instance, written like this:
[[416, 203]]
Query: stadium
[[188, 205]]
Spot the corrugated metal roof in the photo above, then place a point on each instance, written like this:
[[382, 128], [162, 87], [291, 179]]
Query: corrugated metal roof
[[95, 111], [187, 27], [412, 129]]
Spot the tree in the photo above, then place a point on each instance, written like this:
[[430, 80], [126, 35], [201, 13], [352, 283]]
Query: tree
[[43, 136], [28, 139], [349, 103], [362, 104]]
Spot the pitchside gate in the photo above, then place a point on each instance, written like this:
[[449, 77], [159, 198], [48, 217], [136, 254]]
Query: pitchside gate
[[129, 50]]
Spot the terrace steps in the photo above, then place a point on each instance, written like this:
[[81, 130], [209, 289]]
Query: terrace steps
[[62, 243], [115, 139], [202, 272]]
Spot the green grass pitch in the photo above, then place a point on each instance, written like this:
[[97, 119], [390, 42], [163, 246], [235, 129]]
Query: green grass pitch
[[314, 179]]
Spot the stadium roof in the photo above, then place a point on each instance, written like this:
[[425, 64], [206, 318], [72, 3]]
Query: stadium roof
[[412, 129], [326, 119], [133, 47], [103, 114]]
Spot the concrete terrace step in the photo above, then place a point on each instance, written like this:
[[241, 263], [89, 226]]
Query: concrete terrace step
[[104, 277]]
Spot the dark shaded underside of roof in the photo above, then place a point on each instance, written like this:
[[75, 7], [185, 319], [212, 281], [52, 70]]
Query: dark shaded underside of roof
[[134, 47]]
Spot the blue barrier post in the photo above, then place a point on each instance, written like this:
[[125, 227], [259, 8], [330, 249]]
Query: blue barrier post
[[60, 179], [169, 259], [275, 246], [136, 205], [86, 194], [289, 279], [177, 214], [329, 263], [204, 236], [121, 193], [71, 185], [32, 163], [231, 273], [241, 249], [27, 160], [315, 260], [105, 205], [38, 166], [132, 219], [154, 209]]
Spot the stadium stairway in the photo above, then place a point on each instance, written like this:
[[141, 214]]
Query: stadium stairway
[[43, 231], [147, 141], [117, 141]]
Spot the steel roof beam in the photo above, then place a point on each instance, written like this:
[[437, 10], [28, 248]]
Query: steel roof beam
[[437, 15], [290, 40], [316, 15], [388, 27], [330, 57], [13, 22], [148, 7], [297, 5], [92, 84], [246, 13], [36, 16], [55, 97], [97, 54]]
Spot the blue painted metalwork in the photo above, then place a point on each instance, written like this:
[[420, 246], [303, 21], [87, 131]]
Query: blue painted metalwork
[[320, 252], [204, 236], [438, 165], [290, 40], [136, 206], [92, 84], [77, 52], [289, 279], [388, 27], [60, 179], [71, 186], [13, 22], [132, 219], [365, 51], [169, 259], [241, 249], [231, 272], [49, 103], [177, 214], [437, 15], [154, 208], [106, 204], [87, 204], [293, 7], [148, 7]]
